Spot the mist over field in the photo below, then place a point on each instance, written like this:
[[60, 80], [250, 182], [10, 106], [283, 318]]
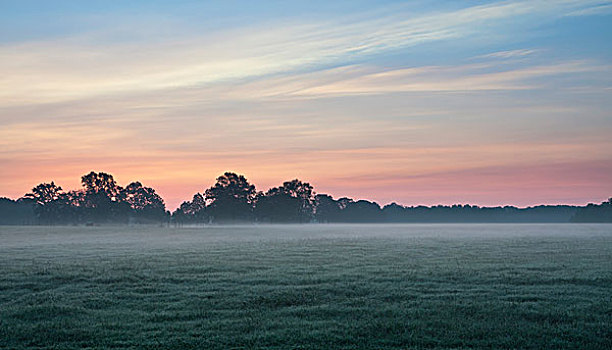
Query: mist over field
[[141, 238], [307, 286]]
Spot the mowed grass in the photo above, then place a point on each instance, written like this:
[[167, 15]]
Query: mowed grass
[[307, 287]]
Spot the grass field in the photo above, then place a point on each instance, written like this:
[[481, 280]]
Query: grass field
[[310, 287]]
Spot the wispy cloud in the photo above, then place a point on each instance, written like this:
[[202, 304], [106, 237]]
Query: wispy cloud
[[463, 78], [510, 54], [600, 9], [74, 68]]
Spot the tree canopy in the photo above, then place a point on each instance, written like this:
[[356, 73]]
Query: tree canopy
[[231, 198]]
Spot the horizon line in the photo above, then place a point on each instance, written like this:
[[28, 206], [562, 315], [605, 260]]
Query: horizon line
[[463, 204]]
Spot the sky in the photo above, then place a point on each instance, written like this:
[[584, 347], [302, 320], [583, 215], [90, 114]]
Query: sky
[[413, 102]]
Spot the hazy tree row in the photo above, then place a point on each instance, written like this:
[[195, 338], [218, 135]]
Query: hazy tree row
[[232, 199], [100, 200], [594, 213]]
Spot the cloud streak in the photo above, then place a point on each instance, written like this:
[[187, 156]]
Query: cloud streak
[[75, 68], [450, 79]]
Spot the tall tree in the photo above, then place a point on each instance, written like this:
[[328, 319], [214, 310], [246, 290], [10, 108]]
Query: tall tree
[[193, 211], [101, 183], [144, 202], [292, 202], [102, 200], [305, 195], [45, 196], [45, 193], [231, 198], [140, 197], [277, 206]]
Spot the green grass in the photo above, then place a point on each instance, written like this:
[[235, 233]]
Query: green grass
[[310, 287]]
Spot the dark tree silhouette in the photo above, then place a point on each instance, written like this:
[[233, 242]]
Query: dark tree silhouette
[[292, 202], [100, 183], [45, 193], [17, 212], [594, 213], [144, 203], [276, 206], [394, 213], [102, 201], [47, 198], [193, 212], [304, 193], [198, 204], [327, 209], [231, 199], [362, 211]]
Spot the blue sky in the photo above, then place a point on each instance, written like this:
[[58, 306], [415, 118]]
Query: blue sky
[[419, 102]]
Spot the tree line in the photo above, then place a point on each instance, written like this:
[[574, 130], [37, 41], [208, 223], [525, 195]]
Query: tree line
[[232, 199], [101, 200]]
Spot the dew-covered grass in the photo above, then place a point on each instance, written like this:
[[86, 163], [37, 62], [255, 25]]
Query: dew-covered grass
[[307, 287]]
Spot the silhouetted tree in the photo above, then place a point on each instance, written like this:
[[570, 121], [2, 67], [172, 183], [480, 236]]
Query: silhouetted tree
[[193, 211], [100, 183], [327, 209], [231, 198], [594, 213], [65, 211], [292, 202], [276, 206], [44, 193], [144, 203], [361, 211], [102, 201], [17, 212], [304, 193], [347, 210], [47, 206], [394, 213]]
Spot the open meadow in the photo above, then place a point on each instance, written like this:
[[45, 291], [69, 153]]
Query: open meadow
[[307, 286]]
